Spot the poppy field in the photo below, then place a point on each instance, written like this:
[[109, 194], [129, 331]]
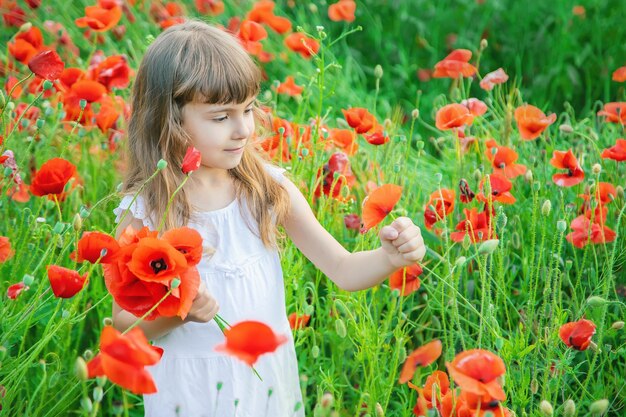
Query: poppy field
[[499, 129]]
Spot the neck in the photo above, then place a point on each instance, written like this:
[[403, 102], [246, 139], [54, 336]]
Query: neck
[[205, 177]]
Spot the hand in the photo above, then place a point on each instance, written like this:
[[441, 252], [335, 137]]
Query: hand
[[402, 242], [204, 306]]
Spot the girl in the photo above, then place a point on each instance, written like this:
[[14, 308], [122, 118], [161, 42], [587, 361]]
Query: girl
[[196, 86]]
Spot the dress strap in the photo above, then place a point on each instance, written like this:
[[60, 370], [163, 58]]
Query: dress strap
[[137, 209]]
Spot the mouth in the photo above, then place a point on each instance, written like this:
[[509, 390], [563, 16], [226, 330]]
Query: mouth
[[234, 149]]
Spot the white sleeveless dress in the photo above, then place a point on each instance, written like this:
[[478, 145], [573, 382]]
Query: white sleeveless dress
[[247, 281]]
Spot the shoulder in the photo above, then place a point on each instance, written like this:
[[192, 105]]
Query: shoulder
[[132, 207]]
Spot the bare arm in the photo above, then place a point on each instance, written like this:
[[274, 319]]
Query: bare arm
[[402, 245]]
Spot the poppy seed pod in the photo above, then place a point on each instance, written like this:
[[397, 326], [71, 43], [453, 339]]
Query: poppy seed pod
[[619, 192], [484, 43], [378, 71], [162, 164], [477, 175], [569, 408], [596, 169], [599, 407], [546, 208], [488, 247], [546, 409], [107, 321], [25, 27], [565, 128], [618, 325], [415, 113], [327, 400], [595, 301], [561, 226], [86, 404], [315, 351], [379, 410], [340, 328], [534, 385], [80, 369], [28, 280], [528, 176], [98, 394]]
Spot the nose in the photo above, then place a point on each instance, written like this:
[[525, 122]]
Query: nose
[[242, 129]]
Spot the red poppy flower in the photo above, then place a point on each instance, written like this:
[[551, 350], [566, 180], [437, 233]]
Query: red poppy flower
[[250, 35], [376, 136], [616, 152], [614, 112], [155, 260], [406, 280], [123, 358], [302, 44], [566, 160], [297, 321], [577, 334], [604, 193], [210, 7], [436, 388], [65, 283], [52, 178], [493, 78], [6, 252], [453, 116], [342, 10], [500, 190], [337, 173], [26, 45], [108, 114], [477, 225], [503, 160], [263, 12], [619, 74], [379, 203], [192, 160], [15, 290], [478, 372], [187, 241], [88, 90], [248, 340], [47, 65], [91, 245], [440, 204], [112, 72], [289, 87], [360, 119], [352, 221], [455, 65], [344, 139], [531, 121], [472, 405], [100, 18], [422, 356], [466, 193], [585, 231], [13, 16], [475, 106]]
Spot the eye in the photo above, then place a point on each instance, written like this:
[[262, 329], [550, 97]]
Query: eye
[[248, 111], [220, 119]]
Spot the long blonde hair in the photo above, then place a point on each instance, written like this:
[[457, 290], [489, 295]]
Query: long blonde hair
[[194, 61]]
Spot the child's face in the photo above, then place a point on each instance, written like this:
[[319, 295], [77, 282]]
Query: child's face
[[219, 132]]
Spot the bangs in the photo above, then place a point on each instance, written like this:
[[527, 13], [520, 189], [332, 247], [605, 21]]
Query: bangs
[[215, 69]]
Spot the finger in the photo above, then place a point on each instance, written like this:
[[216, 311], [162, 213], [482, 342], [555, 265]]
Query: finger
[[401, 223], [416, 255], [388, 233], [406, 236], [411, 245]]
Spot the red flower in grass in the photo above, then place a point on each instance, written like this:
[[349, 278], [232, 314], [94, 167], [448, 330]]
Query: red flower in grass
[[476, 225], [337, 173], [566, 160], [453, 116], [360, 119], [440, 204], [478, 372], [619, 74], [436, 387], [6, 252], [91, 246], [406, 280], [475, 106], [604, 193], [250, 35], [173, 256], [577, 334], [100, 18], [112, 72], [503, 160], [422, 356], [297, 321], [47, 65], [302, 44], [531, 121], [352, 221], [472, 405], [52, 177], [65, 283], [493, 78], [15, 290], [455, 65], [466, 193], [616, 152], [263, 12], [344, 139], [377, 136], [192, 160], [123, 358], [500, 190], [210, 7], [379, 203], [614, 112], [342, 10], [585, 231], [289, 87], [248, 340]]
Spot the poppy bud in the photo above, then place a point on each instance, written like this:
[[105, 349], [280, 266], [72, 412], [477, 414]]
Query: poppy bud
[[10, 105], [82, 103], [281, 131], [175, 283], [618, 325], [77, 223], [84, 213], [415, 113], [419, 145], [534, 385], [595, 301], [47, 85], [484, 43], [98, 394], [528, 176], [88, 354], [315, 351], [568, 264], [162, 164], [596, 169], [340, 328], [599, 407], [327, 400], [107, 321], [39, 123], [546, 408], [379, 410], [488, 247], [28, 280], [101, 380], [546, 208], [466, 242], [118, 408], [438, 177], [565, 128], [536, 186], [378, 71], [501, 220], [477, 175], [86, 404], [3, 353], [460, 262], [304, 152], [561, 226], [25, 27], [619, 191], [569, 408]]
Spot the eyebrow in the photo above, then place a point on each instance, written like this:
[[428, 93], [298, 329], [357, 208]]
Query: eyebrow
[[220, 109]]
